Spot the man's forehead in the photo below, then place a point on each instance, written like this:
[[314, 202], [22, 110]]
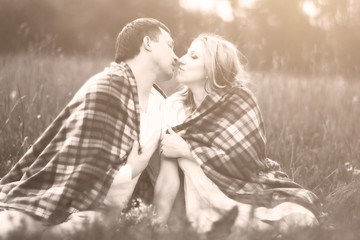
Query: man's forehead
[[165, 35]]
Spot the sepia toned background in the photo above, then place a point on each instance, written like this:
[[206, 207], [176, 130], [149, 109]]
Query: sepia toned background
[[297, 36], [303, 59]]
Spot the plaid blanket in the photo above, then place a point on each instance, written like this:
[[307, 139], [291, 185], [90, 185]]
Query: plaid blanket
[[227, 137], [71, 166]]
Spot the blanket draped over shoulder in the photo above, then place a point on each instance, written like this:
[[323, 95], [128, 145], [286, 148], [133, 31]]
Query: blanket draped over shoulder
[[227, 137], [72, 165]]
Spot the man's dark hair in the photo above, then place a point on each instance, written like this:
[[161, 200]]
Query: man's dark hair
[[130, 38]]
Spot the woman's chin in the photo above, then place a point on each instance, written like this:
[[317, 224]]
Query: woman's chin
[[179, 79]]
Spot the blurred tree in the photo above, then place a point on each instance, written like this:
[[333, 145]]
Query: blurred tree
[[273, 34], [23, 21], [341, 19], [278, 34]]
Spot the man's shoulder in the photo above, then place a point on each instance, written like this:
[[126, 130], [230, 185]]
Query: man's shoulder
[[113, 75], [116, 71], [103, 84]]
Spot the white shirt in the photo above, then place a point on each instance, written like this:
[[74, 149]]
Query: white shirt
[[150, 130]]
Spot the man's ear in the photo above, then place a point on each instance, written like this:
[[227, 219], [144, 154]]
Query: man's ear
[[147, 43]]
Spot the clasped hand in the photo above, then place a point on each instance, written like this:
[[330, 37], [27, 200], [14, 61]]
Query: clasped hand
[[174, 146]]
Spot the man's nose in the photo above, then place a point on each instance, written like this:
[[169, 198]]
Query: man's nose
[[176, 60]]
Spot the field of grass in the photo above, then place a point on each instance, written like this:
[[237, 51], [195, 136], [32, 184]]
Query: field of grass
[[311, 123]]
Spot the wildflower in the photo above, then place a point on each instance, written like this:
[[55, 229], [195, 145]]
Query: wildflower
[[355, 99], [348, 166], [13, 95], [275, 196], [38, 116], [138, 212]]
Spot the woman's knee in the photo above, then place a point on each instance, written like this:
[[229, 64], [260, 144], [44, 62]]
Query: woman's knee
[[19, 225], [294, 222]]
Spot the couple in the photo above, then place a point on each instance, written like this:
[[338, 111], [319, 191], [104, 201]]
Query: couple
[[83, 169]]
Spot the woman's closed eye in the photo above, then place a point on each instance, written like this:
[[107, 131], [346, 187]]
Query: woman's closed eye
[[171, 45]]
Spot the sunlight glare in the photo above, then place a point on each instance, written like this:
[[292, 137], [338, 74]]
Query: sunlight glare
[[310, 9], [247, 3], [202, 5], [220, 7], [225, 11]]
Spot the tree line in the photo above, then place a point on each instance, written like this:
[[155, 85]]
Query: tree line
[[272, 34]]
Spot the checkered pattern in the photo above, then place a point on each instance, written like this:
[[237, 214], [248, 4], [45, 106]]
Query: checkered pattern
[[71, 166], [227, 137]]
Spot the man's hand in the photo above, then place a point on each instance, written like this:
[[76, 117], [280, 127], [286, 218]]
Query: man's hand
[[138, 162]]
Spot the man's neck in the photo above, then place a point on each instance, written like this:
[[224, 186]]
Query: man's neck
[[144, 77]]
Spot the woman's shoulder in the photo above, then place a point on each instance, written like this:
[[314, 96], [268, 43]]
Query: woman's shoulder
[[175, 100], [243, 93], [173, 109]]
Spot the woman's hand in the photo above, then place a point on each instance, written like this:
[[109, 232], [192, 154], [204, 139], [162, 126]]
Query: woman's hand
[[174, 146]]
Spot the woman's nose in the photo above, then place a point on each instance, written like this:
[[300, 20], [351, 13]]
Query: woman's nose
[[181, 60]]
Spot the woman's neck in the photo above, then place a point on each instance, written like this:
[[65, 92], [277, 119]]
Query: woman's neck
[[199, 94]]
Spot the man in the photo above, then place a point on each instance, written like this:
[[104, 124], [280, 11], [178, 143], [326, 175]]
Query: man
[[91, 156]]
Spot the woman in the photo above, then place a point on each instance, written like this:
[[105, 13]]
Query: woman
[[217, 138]]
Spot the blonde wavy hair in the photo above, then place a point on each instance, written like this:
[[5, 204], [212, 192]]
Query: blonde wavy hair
[[222, 65]]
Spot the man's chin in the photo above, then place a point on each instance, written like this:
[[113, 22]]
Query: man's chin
[[167, 77]]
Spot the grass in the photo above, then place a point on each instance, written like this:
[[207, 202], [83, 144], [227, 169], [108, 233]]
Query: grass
[[34, 88], [312, 128], [311, 122]]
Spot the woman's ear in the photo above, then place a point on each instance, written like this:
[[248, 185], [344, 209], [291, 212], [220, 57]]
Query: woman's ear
[[147, 43]]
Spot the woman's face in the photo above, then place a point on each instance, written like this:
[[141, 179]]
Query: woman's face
[[191, 69]]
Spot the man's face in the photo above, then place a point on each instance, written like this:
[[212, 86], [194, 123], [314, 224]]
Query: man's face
[[164, 56]]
